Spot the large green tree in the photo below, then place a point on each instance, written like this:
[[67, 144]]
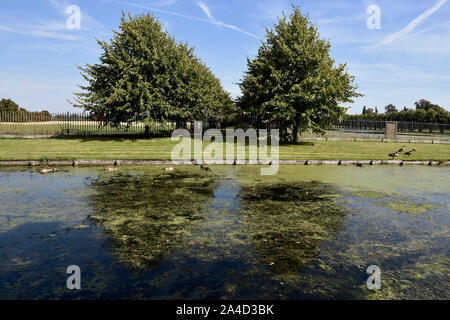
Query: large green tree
[[145, 75], [294, 80], [7, 105]]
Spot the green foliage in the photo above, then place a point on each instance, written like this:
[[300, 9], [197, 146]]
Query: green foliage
[[294, 80], [11, 112], [390, 108], [368, 110], [145, 75], [425, 112], [7, 105]]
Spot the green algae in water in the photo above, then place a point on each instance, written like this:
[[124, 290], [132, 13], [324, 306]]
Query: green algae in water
[[409, 207], [423, 278], [270, 230], [280, 237], [370, 194], [149, 216], [287, 222]]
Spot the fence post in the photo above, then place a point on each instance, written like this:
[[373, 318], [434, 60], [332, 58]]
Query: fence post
[[391, 129]]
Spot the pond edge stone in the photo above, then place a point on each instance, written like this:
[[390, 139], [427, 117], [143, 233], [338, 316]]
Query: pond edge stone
[[218, 162]]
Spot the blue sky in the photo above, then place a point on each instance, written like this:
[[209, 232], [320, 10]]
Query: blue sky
[[407, 59]]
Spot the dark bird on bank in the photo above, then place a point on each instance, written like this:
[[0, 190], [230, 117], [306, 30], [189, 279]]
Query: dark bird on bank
[[401, 149], [204, 168], [393, 155], [410, 152]]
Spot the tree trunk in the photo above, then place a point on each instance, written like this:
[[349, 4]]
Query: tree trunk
[[181, 124], [297, 128], [283, 134], [295, 132]]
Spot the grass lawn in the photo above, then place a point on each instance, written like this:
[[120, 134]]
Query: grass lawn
[[161, 148]]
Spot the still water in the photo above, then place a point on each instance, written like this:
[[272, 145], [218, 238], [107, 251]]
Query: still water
[[309, 232]]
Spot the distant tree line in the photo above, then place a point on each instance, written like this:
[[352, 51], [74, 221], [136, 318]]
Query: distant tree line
[[424, 111], [8, 108]]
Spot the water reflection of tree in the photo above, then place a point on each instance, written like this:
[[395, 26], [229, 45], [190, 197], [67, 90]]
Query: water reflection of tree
[[148, 216], [287, 222]]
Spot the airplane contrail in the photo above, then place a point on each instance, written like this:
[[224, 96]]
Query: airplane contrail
[[411, 26], [210, 19], [206, 10]]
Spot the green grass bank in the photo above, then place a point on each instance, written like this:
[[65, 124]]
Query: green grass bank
[[161, 148]]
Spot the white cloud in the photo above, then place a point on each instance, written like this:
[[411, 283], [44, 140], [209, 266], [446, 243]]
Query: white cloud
[[384, 73], [56, 29], [39, 33], [428, 46], [411, 26], [342, 20], [164, 3]]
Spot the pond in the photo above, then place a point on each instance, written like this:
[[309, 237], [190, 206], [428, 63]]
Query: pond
[[309, 232]]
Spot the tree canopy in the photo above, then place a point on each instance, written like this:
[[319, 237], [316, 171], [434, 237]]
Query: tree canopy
[[145, 75], [294, 80], [7, 105], [12, 112], [390, 108], [425, 112]]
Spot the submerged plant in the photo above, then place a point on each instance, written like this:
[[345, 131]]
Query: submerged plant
[[409, 207], [146, 216], [370, 194], [288, 221]]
